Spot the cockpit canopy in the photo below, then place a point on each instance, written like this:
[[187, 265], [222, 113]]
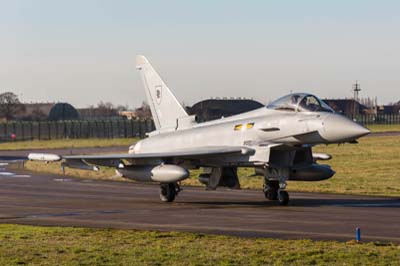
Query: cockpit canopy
[[300, 102]]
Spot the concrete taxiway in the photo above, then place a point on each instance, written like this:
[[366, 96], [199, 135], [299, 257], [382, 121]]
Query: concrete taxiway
[[27, 198]]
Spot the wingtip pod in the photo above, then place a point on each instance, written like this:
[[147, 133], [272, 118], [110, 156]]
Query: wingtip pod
[[47, 157], [140, 61], [321, 156]]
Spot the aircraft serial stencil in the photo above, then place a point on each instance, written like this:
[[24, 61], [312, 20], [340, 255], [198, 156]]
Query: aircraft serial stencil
[[275, 140]]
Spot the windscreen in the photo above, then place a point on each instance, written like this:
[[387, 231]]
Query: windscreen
[[300, 102]]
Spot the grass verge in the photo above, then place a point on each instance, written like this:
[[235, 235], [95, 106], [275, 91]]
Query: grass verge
[[66, 143], [383, 128], [33, 245]]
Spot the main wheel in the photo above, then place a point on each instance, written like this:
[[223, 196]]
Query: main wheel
[[271, 194], [167, 192], [283, 197], [271, 190]]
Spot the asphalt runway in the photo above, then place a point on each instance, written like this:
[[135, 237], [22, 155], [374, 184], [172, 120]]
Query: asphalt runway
[[27, 198]]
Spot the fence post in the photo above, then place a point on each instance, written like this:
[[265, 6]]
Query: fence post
[[32, 130], [49, 129], [22, 131], [39, 130], [125, 129], [13, 128], [140, 128]]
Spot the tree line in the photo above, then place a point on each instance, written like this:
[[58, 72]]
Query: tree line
[[11, 108]]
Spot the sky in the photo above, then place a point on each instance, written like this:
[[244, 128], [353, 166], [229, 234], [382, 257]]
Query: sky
[[83, 52]]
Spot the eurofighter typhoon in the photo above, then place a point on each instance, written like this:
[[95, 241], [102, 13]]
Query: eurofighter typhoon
[[275, 140]]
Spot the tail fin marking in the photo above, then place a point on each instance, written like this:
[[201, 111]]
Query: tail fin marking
[[164, 106]]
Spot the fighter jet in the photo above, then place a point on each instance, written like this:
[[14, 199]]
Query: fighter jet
[[275, 140]]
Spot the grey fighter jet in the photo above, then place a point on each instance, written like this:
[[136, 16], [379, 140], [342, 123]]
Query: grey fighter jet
[[275, 140]]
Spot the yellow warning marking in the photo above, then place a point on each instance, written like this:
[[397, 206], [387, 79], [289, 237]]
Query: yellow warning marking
[[238, 127], [249, 125]]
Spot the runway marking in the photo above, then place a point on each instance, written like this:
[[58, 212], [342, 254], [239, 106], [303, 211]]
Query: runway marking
[[10, 174], [62, 179], [22, 176], [6, 173]]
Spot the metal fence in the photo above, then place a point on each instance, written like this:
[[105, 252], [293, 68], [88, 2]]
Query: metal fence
[[46, 130], [377, 119], [80, 129]]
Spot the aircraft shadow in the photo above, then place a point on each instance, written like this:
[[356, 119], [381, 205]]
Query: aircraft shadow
[[299, 202]]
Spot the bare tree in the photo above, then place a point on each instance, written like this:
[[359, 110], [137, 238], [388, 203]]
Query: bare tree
[[10, 106], [143, 112], [121, 108], [106, 109], [37, 115]]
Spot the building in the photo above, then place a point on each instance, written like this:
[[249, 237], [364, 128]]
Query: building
[[96, 113], [348, 107], [63, 111], [34, 111], [393, 109], [47, 111]]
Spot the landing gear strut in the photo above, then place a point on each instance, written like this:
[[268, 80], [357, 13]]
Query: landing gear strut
[[283, 195], [169, 191]]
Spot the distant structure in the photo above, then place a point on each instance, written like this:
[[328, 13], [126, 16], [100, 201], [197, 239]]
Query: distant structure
[[348, 107], [129, 115], [391, 109], [35, 111], [212, 109], [63, 111], [95, 113], [356, 90]]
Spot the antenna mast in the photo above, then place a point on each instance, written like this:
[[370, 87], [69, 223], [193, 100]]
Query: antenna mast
[[356, 90]]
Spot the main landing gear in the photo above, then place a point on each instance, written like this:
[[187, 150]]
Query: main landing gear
[[169, 191], [275, 190]]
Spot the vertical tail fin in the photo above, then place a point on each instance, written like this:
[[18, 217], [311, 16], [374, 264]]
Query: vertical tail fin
[[164, 106]]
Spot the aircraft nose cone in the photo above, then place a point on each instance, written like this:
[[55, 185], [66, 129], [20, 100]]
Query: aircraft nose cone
[[338, 128]]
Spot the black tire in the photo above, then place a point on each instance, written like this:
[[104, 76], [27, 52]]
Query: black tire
[[283, 197], [271, 194], [271, 190], [167, 192]]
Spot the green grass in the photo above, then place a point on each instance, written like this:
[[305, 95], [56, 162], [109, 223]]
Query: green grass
[[32, 245], [371, 167], [383, 128], [66, 143]]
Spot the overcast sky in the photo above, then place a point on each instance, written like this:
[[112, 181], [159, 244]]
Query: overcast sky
[[84, 51]]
